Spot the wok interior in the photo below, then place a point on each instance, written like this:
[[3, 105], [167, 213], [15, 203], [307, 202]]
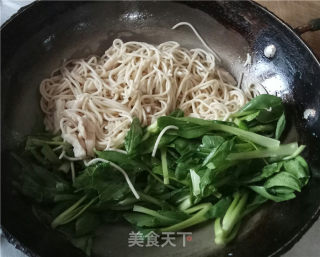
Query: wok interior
[[69, 30]]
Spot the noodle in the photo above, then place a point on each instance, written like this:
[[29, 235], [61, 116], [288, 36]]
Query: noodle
[[92, 101]]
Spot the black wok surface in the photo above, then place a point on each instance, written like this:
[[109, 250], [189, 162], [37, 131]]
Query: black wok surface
[[43, 34]]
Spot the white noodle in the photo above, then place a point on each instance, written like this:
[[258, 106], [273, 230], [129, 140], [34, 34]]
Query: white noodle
[[69, 158], [248, 60], [62, 154], [159, 138], [198, 36], [93, 101], [116, 150], [240, 80], [72, 158], [57, 148]]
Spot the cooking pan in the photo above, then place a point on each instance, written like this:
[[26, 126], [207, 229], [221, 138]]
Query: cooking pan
[[40, 36]]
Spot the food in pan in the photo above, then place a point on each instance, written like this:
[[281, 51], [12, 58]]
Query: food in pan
[[159, 136]]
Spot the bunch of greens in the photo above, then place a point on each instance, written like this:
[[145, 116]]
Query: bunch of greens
[[184, 170]]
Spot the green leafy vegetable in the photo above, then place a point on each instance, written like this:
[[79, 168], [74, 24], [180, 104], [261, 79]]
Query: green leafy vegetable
[[134, 136], [204, 171], [87, 224], [281, 123], [266, 108]]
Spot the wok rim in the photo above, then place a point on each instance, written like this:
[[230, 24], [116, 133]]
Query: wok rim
[[286, 246]]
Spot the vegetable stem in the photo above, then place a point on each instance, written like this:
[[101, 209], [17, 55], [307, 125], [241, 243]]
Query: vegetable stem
[[233, 213], [154, 200], [281, 150], [195, 219], [256, 138], [197, 207], [72, 212], [40, 142], [195, 180], [164, 166], [227, 229], [296, 153], [138, 208]]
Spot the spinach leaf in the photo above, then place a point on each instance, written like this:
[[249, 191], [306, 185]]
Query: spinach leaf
[[219, 209], [183, 168], [298, 168], [157, 169], [104, 180], [283, 179], [274, 197], [212, 141], [267, 171], [184, 146], [127, 162], [269, 108], [206, 182], [218, 155], [86, 224], [147, 146], [281, 123], [141, 220], [133, 137], [42, 185]]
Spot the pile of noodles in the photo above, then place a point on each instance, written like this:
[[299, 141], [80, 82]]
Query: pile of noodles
[[92, 101]]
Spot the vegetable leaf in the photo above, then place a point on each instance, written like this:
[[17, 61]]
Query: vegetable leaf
[[281, 123], [134, 136]]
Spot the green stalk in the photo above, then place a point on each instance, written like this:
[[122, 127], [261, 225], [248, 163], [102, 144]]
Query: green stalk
[[57, 139], [164, 166], [233, 213], [218, 232], [296, 153], [145, 136], [153, 128], [185, 204], [154, 200], [38, 157], [40, 142], [197, 207], [227, 229], [281, 150], [72, 212], [160, 180], [195, 219], [141, 209], [256, 138], [129, 200], [49, 154], [182, 182], [259, 128], [222, 238], [195, 179], [60, 218]]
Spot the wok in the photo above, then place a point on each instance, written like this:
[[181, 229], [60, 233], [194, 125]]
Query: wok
[[40, 36]]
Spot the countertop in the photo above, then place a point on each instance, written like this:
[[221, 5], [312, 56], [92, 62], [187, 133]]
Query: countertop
[[295, 13]]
